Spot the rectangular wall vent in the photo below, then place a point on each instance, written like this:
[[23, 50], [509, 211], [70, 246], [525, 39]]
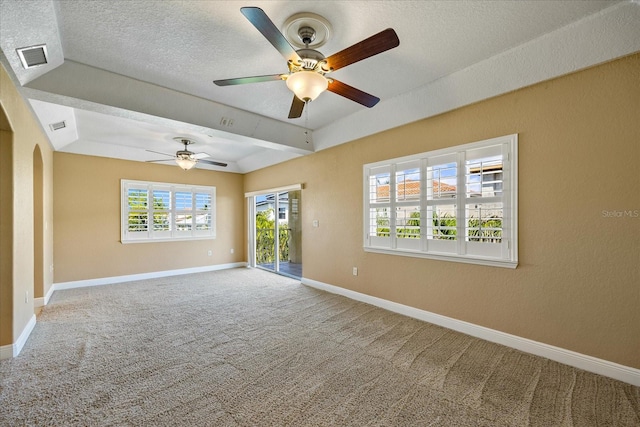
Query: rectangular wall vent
[[58, 126], [33, 56]]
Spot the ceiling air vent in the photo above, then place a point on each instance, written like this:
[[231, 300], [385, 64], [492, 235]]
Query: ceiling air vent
[[33, 56], [58, 126]]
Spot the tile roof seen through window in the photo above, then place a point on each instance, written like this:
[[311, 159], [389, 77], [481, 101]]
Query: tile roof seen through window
[[411, 190]]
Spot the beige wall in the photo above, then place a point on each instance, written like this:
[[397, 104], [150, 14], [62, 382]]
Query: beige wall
[[578, 282], [87, 220], [21, 132]]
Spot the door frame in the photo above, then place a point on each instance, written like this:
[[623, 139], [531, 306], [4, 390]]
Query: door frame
[[251, 219]]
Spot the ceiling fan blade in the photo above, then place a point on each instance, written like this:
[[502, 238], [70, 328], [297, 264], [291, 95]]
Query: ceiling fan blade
[[211, 162], [261, 21], [158, 152], [163, 160], [352, 93], [378, 43], [245, 80], [297, 105], [200, 155]]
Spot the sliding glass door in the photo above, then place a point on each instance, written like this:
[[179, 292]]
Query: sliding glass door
[[277, 232]]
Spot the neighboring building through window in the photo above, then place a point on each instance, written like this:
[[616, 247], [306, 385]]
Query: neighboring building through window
[[268, 203], [154, 211], [457, 204]]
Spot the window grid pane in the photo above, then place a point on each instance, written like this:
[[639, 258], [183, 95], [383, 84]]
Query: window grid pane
[[161, 221], [183, 200], [441, 181], [161, 200], [379, 187], [444, 222], [203, 221], [484, 177], [184, 221], [408, 184], [137, 199], [408, 222], [484, 222], [203, 201], [138, 222], [379, 222]]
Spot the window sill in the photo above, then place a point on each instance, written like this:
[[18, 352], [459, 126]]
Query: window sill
[[445, 257], [174, 239]]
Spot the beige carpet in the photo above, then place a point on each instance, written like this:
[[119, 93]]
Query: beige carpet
[[249, 348]]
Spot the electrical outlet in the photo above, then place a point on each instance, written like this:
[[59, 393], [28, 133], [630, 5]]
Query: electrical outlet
[[316, 223], [232, 250], [26, 296], [210, 253], [355, 271]]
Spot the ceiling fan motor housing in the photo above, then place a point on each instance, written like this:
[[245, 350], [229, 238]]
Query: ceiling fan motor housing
[[310, 60], [184, 154]]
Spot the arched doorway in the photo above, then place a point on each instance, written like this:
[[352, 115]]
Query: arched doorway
[[6, 233], [38, 224]]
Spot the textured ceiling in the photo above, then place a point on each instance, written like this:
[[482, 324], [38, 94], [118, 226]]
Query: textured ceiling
[[128, 76]]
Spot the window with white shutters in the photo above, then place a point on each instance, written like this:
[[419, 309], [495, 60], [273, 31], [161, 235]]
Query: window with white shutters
[[153, 211], [456, 204]]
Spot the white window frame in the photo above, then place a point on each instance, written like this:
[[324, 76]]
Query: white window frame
[[173, 234], [462, 249]]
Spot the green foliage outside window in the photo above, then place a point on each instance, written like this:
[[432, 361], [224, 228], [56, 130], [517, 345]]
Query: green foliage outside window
[[138, 218], [265, 238], [487, 230], [445, 228]]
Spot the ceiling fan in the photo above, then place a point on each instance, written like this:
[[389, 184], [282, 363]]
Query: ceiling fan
[[184, 158], [308, 67]]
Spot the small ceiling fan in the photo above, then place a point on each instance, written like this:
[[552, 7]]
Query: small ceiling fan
[[308, 67], [184, 158]]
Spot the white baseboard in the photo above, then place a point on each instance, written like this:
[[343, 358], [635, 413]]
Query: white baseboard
[[9, 351], [47, 297], [24, 336], [42, 301], [143, 276], [568, 357]]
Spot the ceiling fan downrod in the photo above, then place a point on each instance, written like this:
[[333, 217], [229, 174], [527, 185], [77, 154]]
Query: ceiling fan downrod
[[307, 35]]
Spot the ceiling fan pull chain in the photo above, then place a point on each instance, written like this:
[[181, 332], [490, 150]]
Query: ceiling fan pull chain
[[306, 122]]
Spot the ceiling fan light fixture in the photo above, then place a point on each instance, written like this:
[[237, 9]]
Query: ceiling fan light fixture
[[307, 85], [186, 163]]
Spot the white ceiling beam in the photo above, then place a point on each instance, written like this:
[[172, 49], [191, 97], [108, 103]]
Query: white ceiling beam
[[87, 87]]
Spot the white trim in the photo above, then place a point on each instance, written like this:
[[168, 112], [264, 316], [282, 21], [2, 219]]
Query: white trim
[[251, 225], [24, 336], [9, 351], [463, 249], [568, 357], [443, 257], [292, 187], [143, 276], [42, 301], [173, 234], [47, 297]]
